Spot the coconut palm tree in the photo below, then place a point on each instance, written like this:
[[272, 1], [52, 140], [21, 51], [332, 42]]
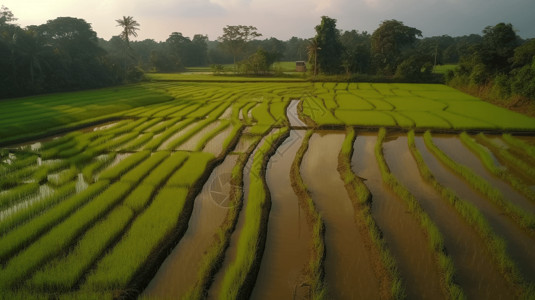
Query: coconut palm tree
[[130, 26]]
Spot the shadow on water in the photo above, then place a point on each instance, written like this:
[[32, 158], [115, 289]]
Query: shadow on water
[[348, 268]]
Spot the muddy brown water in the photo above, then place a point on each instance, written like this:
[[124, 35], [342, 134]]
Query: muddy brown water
[[292, 114], [401, 230], [455, 149], [289, 237], [475, 275], [348, 268], [178, 273], [519, 244], [231, 252]]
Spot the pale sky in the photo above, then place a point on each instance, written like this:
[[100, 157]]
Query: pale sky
[[280, 18]]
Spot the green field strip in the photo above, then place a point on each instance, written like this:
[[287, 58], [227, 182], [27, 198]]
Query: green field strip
[[526, 148], [63, 272], [128, 127], [412, 103], [155, 110], [488, 113], [317, 112], [208, 136], [349, 101], [191, 170], [60, 236], [176, 107], [380, 103], [38, 206], [96, 165], [463, 122], [22, 235], [219, 111], [278, 111], [366, 118], [261, 114], [183, 112], [147, 124], [520, 217], [168, 133], [427, 120], [163, 125], [128, 163], [185, 134], [141, 170], [147, 232], [204, 110], [236, 281], [245, 112], [17, 194], [63, 177], [401, 119], [164, 170], [138, 142], [433, 234]]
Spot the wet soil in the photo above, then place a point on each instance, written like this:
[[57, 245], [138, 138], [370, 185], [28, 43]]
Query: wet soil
[[215, 145], [348, 267], [289, 236], [401, 230], [177, 274], [475, 275]]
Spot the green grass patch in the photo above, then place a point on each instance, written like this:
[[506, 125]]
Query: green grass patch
[[128, 163], [17, 194], [191, 170]]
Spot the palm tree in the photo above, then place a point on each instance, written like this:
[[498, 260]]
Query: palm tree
[[312, 49], [130, 26]]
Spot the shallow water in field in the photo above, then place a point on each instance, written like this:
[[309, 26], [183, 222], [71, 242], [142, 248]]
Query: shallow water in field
[[454, 148], [193, 141], [176, 135], [215, 145], [401, 230], [476, 276], [520, 245], [178, 272], [292, 114], [348, 268], [289, 236]]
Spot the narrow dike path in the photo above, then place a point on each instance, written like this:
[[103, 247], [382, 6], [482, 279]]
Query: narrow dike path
[[401, 230], [478, 278], [288, 237], [348, 269], [519, 244], [177, 273]]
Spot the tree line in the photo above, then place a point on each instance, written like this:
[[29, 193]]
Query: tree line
[[66, 54]]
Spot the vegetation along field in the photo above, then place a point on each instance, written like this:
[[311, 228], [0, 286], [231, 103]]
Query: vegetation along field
[[226, 189]]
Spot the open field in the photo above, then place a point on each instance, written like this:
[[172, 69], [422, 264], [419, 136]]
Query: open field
[[231, 188]]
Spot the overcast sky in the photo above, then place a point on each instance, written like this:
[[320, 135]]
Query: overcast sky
[[280, 18]]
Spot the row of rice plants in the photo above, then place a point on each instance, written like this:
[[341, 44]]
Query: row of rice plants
[[518, 215], [138, 142], [361, 197], [505, 156], [191, 171], [518, 143], [61, 235], [163, 125], [188, 134], [208, 136], [157, 141], [63, 177], [239, 279], [17, 194], [214, 255], [434, 236], [98, 164], [26, 212], [471, 214], [128, 163], [315, 269]]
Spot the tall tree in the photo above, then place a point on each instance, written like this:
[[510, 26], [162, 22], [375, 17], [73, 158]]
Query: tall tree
[[390, 42], [329, 46], [130, 28], [236, 38], [498, 47]]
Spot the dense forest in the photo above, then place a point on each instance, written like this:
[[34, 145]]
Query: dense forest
[[66, 54]]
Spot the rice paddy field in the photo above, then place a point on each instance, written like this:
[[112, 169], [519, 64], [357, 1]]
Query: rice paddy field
[[222, 189]]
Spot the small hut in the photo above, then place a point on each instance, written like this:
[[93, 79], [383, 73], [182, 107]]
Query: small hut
[[300, 66]]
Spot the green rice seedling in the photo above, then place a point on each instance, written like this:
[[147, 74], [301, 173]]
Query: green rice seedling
[[185, 111], [365, 118], [60, 236], [128, 163], [128, 127], [510, 160], [473, 216], [160, 174], [138, 142], [63, 177], [139, 198], [147, 124], [278, 111], [520, 144], [25, 213], [204, 110], [13, 178], [17, 194], [434, 236], [252, 237], [191, 170], [99, 163], [136, 174], [245, 112], [23, 162], [262, 115], [64, 272], [187, 135], [163, 125], [156, 142], [361, 197], [207, 137], [117, 142], [145, 235], [25, 233], [522, 218], [236, 130]]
